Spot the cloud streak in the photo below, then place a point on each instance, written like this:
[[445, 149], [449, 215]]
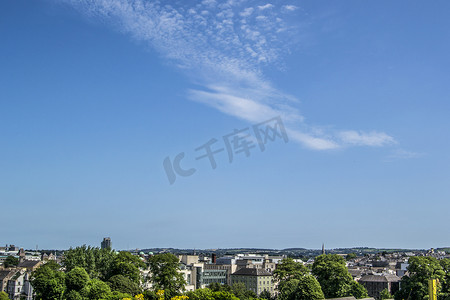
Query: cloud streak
[[223, 46]]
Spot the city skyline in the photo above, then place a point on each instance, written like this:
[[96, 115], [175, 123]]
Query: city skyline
[[97, 98]]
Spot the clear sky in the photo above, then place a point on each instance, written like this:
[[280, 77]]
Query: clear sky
[[96, 94]]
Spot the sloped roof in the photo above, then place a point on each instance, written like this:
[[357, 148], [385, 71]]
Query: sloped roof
[[29, 264], [380, 278], [252, 272], [16, 276], [4, 274]]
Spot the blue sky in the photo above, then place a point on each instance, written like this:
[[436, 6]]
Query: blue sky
[[94, 95]]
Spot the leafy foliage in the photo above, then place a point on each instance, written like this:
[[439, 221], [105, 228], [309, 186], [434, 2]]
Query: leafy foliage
[[165, 274], [421, 268], [48, 282], [384, 294], [350, 256], [334, 278], [3, 296], [223, 295], [237, 289], [73, 295], [11, 261], [201, 294], [76, 279], [305, 288], [96, 289], [127, 265], [241, 292], [97, 262], [121, 269], [289, 269], [265, 295], [124, 284]]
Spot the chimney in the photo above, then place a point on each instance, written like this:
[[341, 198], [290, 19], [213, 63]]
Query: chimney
[[213, 258]]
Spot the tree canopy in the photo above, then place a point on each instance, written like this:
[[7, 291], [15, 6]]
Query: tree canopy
[[97, 262], [10, 261], [305, 288], [334, 278], [421, 269], [165, 274], [48, 282], [86, 271]]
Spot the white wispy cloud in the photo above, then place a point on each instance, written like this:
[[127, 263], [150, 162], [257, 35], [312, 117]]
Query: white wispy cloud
[[266, 6], [290, 7], [373, 138], [401, 154], [247, 12], [222, 46]]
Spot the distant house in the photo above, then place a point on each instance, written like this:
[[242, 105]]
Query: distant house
[[255, 279], [376, 283], [30, 265], [19, 286], [5, 275]]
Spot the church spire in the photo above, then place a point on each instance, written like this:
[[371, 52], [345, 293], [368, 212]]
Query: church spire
[[323, 248]]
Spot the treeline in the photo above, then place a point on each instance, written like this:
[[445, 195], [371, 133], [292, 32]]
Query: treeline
[[93, 273], [328, 277], [422, 268], [89, 273]]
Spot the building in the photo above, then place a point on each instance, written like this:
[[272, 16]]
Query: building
[[30, 265], [5, 275], [376, 283], [230, 269], [207, 276], [254, 279], [188, 259], [106, 244], [19, 286]]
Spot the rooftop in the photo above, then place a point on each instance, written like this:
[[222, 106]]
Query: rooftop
[[252, 272]]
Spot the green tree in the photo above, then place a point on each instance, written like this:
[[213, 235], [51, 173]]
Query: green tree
[[241, 292], [384, 294], [150, 295], [350, 256], [73, 295], [11, 261], [217, 287], [76, 279], [265, 295], [223, 295], [124, 284], [3, 296], [97, 262], [127, 265], [48, 282], [305, 288], [289, 269], [357, 290], [115, 295], [334, 278], [96, 289], [165, 274], [445, 264], [201, 294], [421, 269]]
